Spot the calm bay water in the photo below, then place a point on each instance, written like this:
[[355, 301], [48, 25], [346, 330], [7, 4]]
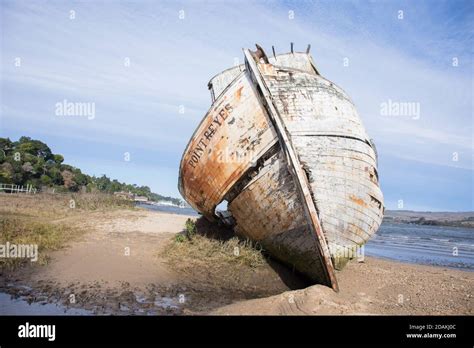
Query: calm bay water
[[169, 209], [430, 245]]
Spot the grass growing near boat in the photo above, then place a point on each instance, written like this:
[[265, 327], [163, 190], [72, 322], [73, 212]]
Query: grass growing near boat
[[196, 247]]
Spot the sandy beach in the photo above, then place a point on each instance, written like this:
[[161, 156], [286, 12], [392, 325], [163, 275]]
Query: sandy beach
[[374, 287], [116, 266]]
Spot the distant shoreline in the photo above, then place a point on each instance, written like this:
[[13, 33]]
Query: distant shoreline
[[449, 219]]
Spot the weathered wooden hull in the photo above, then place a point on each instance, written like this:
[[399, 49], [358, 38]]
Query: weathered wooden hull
[[286, 120]]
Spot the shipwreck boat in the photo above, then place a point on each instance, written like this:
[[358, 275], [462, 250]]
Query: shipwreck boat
[[286, 149]]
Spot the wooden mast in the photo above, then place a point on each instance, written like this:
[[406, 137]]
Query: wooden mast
[[295, 167]]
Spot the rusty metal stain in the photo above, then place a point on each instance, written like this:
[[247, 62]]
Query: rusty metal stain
[[238, 94], [210, 166], [357, 200]]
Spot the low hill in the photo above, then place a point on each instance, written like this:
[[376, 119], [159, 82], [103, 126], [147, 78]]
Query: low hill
[[31, 162], [456, 219]]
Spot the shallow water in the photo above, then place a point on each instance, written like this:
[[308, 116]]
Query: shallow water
[[11, 306], [429, 245], [169, 209]]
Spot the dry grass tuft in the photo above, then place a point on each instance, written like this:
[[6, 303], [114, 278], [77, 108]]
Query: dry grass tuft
[[36, 219], [192, 248], [59, 205], [26, 231]]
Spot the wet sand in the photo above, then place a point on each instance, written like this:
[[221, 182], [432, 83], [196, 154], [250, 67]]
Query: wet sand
[[116, 268]]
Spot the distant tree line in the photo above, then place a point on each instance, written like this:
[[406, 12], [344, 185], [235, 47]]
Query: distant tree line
[[31, 162]]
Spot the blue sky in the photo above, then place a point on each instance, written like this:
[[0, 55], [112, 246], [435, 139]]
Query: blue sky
[[172, 58]]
